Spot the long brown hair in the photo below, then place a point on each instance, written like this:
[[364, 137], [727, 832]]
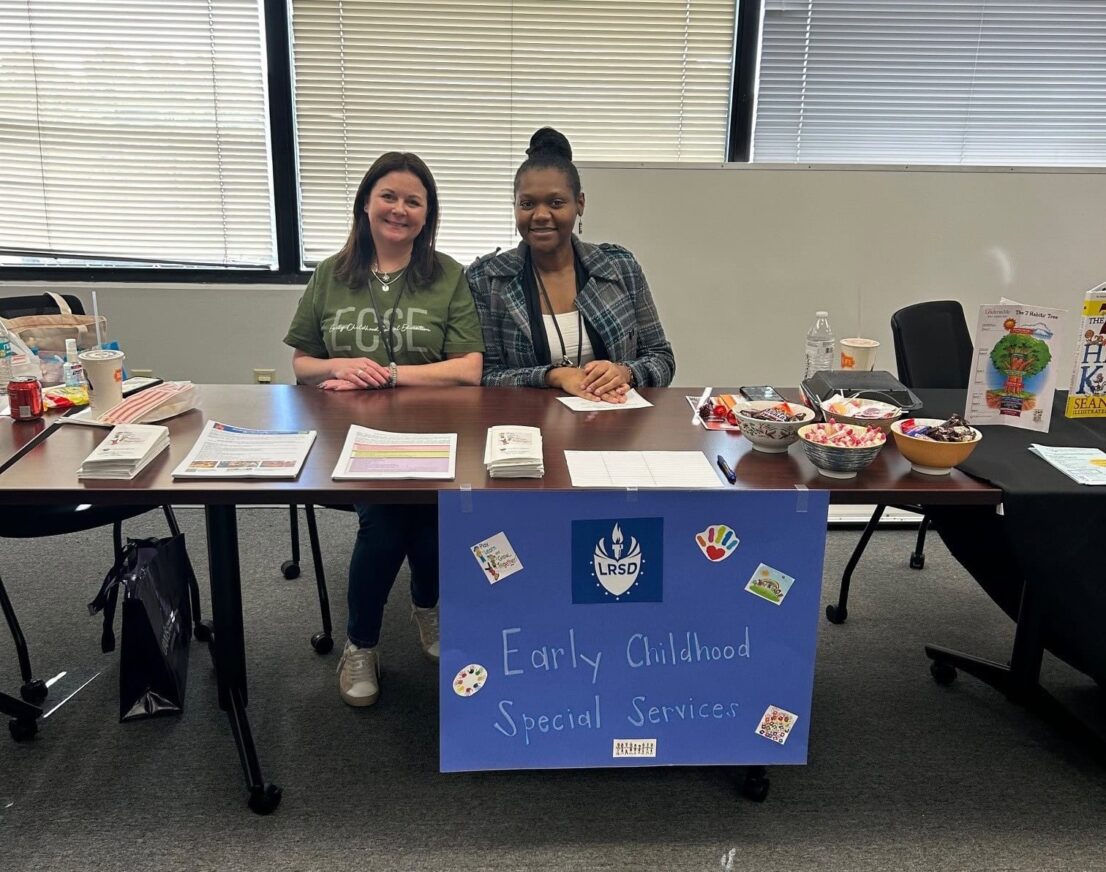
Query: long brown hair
[[356, 256]]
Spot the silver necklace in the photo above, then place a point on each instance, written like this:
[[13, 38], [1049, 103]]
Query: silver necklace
[[386, 278]]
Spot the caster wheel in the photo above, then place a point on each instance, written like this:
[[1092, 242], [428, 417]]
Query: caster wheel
[[22, 730], [290, 569], [836, 615], [943, 673], [264, 800], [755, 788], [322, 643], [202, 631], [917, 561], [34, 691]]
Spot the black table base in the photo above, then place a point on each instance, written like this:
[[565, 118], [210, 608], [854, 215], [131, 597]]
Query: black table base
[[1020, 681], [228, 649]]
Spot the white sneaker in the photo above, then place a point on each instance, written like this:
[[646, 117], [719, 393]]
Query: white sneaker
[[359, 675], [426, 620]]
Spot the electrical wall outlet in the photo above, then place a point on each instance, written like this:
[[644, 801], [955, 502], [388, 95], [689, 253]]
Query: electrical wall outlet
[[264, 376], [141, 373]]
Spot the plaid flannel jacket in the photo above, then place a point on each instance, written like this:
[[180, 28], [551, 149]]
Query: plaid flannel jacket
[[616, 301]]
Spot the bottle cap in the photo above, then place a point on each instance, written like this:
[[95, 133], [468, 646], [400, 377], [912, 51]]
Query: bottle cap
[[816, 315], [71, 350]]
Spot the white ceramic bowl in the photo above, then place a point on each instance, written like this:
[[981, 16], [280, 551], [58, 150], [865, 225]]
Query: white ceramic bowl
[[771, 437], [834, 461]]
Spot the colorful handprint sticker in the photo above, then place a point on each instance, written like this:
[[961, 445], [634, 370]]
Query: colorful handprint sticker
[[470, 679], [717, 542]]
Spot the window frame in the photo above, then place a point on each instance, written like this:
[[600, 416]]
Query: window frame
[[289, 271]]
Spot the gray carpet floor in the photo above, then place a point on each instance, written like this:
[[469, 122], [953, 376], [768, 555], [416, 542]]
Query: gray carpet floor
[[903, 774]]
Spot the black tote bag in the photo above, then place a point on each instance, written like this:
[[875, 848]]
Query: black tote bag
[[154, 575]]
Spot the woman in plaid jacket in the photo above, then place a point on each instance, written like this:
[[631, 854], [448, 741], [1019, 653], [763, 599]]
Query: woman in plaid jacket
[[559, 312]]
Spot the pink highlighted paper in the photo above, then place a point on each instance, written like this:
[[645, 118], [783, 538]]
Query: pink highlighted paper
[[369, 453]]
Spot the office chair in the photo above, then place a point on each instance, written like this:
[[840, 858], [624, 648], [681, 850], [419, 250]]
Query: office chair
[[28, 522], [322, 642], [933, 349]]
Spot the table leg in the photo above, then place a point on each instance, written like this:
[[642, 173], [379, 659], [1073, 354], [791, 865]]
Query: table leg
[[229, 649], [24, 717], [1021, 680]]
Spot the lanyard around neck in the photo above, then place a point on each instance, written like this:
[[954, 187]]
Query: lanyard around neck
[[579, 325], [388, 338]]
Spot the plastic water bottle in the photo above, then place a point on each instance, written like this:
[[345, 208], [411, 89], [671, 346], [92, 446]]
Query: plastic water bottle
[[819, 345], [5, 359]]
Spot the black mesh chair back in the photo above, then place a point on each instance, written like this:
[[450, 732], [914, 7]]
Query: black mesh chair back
[[933, 348], [37, 304]]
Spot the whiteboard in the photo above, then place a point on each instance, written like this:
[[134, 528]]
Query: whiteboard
[[740, 257]]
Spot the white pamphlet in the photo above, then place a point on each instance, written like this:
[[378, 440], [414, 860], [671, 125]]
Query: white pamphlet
[[125, 452], [369, 453], [676, 470], [634, 400], [1082, 465], [223, 451], [1013, 376], [514, 452]]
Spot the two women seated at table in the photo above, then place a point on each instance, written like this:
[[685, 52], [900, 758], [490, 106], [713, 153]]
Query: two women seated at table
[[388, 310]]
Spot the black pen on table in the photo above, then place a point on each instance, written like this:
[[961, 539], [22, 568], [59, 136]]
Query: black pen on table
[[727, 470]]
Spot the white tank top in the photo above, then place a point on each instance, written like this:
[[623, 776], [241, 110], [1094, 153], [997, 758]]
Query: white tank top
[[570, 325]]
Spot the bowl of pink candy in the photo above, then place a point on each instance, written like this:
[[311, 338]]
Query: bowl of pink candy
[[841, 450]]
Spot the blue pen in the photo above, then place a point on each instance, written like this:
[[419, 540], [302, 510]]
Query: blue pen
[[727, 470]]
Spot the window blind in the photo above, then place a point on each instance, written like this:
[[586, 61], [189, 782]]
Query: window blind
[[978, 82], [134, 134], [464, 84]]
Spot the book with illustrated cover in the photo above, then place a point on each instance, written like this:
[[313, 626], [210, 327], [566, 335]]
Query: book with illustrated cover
[[1013, 378], [1087, 394]]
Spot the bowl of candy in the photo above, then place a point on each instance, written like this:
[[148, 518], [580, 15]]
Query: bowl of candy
[[862, 412], [771, 425], [841, 450], [934, 446]]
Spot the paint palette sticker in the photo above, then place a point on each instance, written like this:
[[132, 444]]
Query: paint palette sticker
[[469, 680], [497, 558], [770, 584], [717, 542], [776, 724]]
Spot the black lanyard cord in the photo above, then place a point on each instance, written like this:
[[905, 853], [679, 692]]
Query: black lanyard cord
[[387, 338], [579, 325]]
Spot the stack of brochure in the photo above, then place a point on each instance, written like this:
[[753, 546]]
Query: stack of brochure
[[128, 449], [514, 452], [1082, 465]]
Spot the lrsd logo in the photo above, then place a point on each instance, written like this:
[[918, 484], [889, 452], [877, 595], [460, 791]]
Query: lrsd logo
[[617, 560]]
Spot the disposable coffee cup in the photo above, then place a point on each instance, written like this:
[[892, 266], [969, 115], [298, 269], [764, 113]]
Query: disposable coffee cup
[[104, 370], [858, 354]]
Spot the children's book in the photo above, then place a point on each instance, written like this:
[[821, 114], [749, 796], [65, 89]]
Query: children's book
[[1087, 394], [1013, 378]]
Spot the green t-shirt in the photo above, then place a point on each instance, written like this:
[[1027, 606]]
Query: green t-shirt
[[427, 323]]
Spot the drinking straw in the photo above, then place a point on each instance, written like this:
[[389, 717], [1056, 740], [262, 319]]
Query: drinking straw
[[96, 318]]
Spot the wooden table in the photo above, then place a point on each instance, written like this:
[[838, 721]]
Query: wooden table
[[46, 474]]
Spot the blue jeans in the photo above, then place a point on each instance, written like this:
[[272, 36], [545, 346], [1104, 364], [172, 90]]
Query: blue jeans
[[386, 535]]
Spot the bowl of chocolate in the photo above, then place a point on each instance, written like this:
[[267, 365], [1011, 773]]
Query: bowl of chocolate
[[934, 446], [771, 426]]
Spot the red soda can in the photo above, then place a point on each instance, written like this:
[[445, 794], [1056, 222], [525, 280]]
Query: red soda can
[[25, 397]]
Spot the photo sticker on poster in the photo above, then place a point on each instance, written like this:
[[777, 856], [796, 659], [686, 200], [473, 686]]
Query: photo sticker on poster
[[770, 584], [618, 560], [717, 542], [776, 724], [496, 557], [469, 680]]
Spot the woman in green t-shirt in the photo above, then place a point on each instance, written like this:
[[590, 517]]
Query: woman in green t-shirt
[[384, 312]]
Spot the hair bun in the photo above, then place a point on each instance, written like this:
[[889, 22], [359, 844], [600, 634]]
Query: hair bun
[[549, 141]]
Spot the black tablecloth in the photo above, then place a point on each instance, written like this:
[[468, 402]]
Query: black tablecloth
[[1051, 532]]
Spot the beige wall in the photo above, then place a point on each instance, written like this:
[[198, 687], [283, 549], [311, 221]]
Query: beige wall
[[738, 258]]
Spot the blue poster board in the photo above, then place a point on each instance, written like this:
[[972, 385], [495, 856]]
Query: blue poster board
[[614, 628]]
